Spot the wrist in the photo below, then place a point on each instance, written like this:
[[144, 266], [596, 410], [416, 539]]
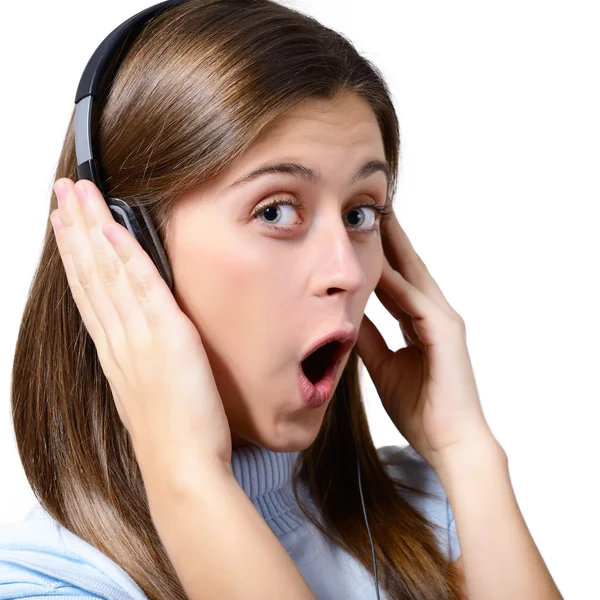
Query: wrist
[[179, 475], [164, 455], [479, 452]]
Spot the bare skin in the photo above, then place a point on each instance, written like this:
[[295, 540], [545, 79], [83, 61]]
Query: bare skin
[[258, 296]]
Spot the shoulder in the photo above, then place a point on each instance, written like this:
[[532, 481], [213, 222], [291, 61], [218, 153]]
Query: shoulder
[[410, 468], [39, 557]]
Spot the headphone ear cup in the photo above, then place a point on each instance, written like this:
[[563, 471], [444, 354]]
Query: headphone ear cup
[[157, 251], [138, 222]]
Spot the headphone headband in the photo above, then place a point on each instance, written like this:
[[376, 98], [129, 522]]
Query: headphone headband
[[134, 218], [94, 70]]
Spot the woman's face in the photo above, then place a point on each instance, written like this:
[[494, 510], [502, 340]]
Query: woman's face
[[259, 295]]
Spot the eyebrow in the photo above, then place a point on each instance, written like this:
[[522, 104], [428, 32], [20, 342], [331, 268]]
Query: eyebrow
[[307, 174]]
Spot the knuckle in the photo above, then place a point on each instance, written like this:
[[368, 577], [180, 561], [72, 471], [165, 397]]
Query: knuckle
[[173, 333], [142, 284], [85, 270], [458, 321], [186, 332], [110, 269], [79, 296]]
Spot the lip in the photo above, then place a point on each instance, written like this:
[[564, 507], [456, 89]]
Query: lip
[[346, 336], [317, 394]]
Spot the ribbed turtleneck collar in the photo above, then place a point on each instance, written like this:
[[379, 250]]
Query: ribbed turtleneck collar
[[266, 477]]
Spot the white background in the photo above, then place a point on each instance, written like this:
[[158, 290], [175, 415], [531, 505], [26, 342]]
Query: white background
[[499, 192]]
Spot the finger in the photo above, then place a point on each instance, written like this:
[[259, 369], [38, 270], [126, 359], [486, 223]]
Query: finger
[[371, 347], [87, 281], [120, 285], [389, 303], [160, 307], [404, 259], [405, 320], [86, 311], [161, 311], [412, 300], [429, 319]]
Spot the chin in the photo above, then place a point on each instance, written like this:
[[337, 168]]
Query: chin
[[294, 439]]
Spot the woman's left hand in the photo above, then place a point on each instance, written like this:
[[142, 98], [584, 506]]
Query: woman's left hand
[[427, 388]]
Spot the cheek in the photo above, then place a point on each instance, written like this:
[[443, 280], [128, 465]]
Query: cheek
[[234, 295], [217, 289], [373, 265]]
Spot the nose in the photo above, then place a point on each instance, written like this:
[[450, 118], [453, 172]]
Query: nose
[[336, 263]]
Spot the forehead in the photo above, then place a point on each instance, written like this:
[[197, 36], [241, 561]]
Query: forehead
[[346, 119], [336, 137]]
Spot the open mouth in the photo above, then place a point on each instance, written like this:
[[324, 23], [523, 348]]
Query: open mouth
[[316, 365]]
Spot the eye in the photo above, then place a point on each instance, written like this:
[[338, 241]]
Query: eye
[[277, 205], [271, 209]]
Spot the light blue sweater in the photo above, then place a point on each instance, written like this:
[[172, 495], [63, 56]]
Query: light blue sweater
[[39, 558]]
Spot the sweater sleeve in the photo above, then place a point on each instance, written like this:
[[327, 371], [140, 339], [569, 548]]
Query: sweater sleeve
[[29, 574], [39, 559], [407, 465]]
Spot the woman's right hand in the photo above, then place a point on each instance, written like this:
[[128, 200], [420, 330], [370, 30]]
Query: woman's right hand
[[150, 351]]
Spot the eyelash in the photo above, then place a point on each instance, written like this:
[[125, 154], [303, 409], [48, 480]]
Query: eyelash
[[384, 213]]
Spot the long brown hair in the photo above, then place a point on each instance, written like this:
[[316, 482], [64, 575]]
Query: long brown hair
[[194, 90]]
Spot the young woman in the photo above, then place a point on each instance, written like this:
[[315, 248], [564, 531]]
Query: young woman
[[176, 440]]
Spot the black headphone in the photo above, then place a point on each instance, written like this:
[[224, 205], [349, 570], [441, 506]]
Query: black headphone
[[134, 218]]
